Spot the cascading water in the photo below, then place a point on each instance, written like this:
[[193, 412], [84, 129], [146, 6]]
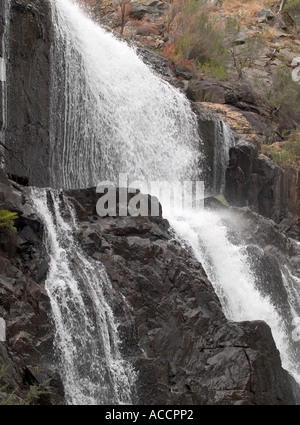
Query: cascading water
[[87, 340], [223, 141], [112, 114], [235, 276]]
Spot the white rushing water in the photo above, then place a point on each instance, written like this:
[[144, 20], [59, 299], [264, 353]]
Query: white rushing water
[[230, 270], [87, 340], [111, 114], [223, 141]]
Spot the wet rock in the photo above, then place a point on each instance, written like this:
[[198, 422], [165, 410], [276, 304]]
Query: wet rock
[[255, 181], [25, 306], [178, 339], [240, 95], [28, 82], [9, 197]]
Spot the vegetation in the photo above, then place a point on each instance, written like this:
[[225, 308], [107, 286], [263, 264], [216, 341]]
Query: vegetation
[[243, 54], [123, 12], [7, 220], [280, 97], [210, 44], [35, 393], [285, 154], [293, 4], [31, 397], [198, 39]]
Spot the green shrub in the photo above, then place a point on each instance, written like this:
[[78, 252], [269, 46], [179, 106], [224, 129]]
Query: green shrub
[[211, 42], [285, 154], [242, 54], [35, 392], [200, 38], [294, 4], [7, 220], [32, 396], [216, 71]]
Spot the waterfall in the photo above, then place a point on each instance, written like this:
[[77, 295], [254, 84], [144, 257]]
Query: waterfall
[[111, 114], [223, 141], [87, 341], [234, 276]]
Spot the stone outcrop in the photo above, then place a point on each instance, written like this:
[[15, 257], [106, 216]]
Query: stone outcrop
[[254, 180], [293, 11], [28, 89], [26, 351], [152, 9], [247, 124], [172, 327], [184, 349]]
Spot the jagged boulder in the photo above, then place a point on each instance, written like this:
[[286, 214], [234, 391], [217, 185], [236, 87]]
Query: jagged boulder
[[152, 9], [254, 180], [293, 11], [172, 325], [28, 89], [26, 346]]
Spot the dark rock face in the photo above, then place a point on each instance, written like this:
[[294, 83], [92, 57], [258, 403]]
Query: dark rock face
[[28, 82], [172, 326], [293, 11], [255, 181], [240, 96], [171, 322], [27, 353], [152, 9]]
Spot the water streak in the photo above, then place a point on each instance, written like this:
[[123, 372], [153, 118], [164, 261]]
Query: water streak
[[92, 368], [229, 267], [223, 141], [110, 112]]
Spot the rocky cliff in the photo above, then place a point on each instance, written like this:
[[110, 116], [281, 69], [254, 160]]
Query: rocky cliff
[[173, 330], [254, 180], [28, 89], [28, 113], [26, 347], [172, 327]]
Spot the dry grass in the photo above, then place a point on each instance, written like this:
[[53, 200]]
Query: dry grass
[[270, 34], [246, 10], [246, 6]]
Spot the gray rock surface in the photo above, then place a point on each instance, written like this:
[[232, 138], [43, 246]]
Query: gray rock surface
[[173, 328], [294, 13], [152, 9], [254, 180], [27, 354], [28, 82]]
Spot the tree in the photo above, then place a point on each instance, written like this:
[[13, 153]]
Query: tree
[[280, 97], [243, 52], [123, 9], [282, 5]]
